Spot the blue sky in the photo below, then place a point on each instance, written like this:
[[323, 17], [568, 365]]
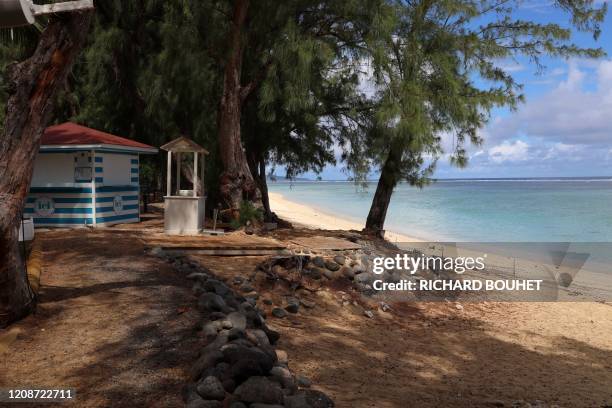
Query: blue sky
[[563, 129]]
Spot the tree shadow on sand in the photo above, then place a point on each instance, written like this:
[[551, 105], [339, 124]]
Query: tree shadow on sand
[[435, 362], [113, 323]]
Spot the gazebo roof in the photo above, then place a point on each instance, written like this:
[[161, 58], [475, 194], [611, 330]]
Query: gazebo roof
[[183, 145]]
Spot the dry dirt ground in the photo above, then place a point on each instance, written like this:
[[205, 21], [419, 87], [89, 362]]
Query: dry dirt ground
[[112, 322], [116, 324]]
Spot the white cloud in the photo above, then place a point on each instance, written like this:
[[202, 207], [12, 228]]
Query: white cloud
[[516, 151], [575, 112], [512, 66]]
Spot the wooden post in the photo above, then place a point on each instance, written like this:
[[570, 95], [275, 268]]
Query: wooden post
[[169, 175], [202, 174], [195, 174], [178, 173]]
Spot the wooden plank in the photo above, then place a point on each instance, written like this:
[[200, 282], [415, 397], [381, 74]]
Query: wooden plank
[[225, 251], [219, 242], [322, 243]]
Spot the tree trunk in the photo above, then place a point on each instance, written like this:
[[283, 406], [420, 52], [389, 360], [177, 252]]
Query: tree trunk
[[257, 165], [33, 86], [263, 187], [389, 177], [236, 182]]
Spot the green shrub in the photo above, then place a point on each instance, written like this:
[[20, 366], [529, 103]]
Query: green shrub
[[248, 214]]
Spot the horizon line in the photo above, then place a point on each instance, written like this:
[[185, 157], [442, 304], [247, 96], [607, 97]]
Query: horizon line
[[281, 179]]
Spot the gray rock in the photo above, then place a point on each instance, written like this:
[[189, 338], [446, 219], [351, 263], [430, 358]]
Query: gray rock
[[283, 376], [198, 289], [273, 335], [237, 404], [307, 303], [329, 274], [293, 305], [246, 306], [259, 389], [220, 288], [565, 279], [318, 261], [206, 360], [303, 381], [218, 342], [210, 388], [308, 399], [242, 342], [247, 362], [247, 288], [316, 272], [359, 268], [197, 276], [238, 280], [216, 316], [282, 357], [209, 331], [332, 266], [347, 272], [211, 302], [220, 371], [267, 301], [235, 334], [238, 320], [339, 259], [225, 324], [278, 312], [368, 313], [259, 405], [200, 403], [252, 297], [189, 392], [229, 385], [363, 278], [257, 337]]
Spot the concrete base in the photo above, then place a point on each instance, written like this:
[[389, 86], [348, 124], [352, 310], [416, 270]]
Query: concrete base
[[184, 215]]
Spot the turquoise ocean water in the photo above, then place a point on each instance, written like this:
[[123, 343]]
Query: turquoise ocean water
[[483, 210]]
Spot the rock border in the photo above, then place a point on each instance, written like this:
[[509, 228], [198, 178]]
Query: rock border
[[239, 367]]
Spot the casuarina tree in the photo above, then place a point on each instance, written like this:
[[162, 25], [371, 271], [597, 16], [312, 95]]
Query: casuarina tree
[[440, 73], [32, 87]]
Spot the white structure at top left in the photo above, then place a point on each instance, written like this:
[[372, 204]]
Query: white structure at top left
[[16, 13]]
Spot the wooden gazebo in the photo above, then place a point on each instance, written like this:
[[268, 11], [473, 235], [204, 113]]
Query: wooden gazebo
[[184, 209]]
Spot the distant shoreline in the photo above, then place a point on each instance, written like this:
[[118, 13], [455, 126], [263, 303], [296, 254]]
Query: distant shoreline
[[552, 179], [311, 217]]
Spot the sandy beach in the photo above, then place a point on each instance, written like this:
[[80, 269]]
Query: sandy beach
[[588, 285], [306, 216]]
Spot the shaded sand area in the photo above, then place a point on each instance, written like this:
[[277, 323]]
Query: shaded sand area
[[118, 324], [112, 322]]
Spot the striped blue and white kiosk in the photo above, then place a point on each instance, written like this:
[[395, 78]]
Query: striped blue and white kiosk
[[85, 177]]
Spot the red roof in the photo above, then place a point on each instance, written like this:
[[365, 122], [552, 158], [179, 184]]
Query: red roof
[[72, 134]]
